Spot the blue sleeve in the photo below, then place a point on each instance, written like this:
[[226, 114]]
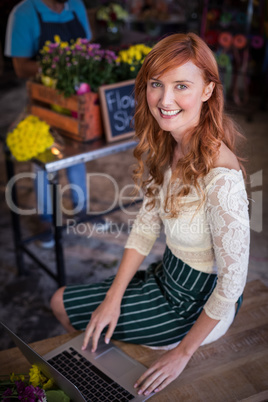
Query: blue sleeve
[[21, 35], [80, 9]]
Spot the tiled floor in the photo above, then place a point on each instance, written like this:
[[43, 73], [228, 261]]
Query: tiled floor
[[91, 256]]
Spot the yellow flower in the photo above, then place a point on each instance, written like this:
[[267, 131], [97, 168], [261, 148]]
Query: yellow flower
[[14, 377], [34, 374], [36, 377], [57, 39], [64, 44], [134, 55], [48, 81], [49, 384]]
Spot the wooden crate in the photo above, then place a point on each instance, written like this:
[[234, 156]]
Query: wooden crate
[[88, 124]]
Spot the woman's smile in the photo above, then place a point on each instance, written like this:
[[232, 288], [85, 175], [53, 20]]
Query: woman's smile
[[169, 113]]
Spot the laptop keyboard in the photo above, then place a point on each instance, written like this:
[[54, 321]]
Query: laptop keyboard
[[91, 382]]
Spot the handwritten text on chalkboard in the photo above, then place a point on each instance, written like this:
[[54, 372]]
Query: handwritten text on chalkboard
[[117, 103], [120, 107]]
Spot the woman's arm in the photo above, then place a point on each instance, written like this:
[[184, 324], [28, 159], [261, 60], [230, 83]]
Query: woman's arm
[[169, 366], [227, 214], [109, 310]]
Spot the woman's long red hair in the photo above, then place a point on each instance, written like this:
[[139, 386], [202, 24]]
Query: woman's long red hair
[[155, 147]]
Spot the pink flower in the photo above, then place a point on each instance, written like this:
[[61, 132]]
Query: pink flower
[[84, 41], [53, 45], [83, 88], [20, 386], [29, 393], [8, 392]]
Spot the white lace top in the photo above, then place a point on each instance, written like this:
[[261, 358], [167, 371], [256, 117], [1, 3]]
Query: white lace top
[[215, 239]]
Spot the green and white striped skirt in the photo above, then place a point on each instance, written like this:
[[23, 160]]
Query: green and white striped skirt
[[159, 307]]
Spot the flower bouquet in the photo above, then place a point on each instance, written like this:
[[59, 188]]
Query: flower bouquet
[[30, 388], [29, 138]]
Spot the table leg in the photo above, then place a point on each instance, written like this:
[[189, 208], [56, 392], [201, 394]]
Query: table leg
[[57, 228], [15, 218]]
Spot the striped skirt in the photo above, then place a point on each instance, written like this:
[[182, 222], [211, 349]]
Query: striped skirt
[[159, 306]]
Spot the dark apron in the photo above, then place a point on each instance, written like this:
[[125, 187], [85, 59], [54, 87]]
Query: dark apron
[[72, 29]]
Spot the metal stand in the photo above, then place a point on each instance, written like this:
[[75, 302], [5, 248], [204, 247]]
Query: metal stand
[[73, 155], [21, 244], [57, 226], [15, 217]]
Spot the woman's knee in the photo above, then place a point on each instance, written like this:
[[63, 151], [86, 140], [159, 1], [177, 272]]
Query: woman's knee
[[59, 311], [56, 301]]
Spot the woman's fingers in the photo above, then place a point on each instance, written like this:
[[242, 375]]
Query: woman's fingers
[[105, 315], [162, 372], [110, 331], [94, 330], [96, 336], [88, 333], [145, 375], [163, 384], [152, 383]]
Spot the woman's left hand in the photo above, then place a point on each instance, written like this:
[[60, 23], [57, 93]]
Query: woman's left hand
[[161, 373]]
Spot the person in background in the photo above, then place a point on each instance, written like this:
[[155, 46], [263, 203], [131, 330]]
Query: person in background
[[31, 23], [194, 188]]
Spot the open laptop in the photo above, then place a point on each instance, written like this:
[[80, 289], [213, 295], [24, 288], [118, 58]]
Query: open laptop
[[105, 375]]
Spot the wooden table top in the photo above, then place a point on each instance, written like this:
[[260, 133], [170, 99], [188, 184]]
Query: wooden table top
[[234, 368]]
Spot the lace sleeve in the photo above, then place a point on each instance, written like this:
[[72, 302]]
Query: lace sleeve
[[146, 229], [227, 215]]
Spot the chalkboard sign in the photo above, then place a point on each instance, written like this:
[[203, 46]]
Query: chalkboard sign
[[117, 106]]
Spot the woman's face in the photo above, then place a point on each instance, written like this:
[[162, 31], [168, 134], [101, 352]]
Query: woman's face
[[176, 97]]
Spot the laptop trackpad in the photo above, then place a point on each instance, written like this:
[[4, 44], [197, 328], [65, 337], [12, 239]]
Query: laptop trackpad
[[116, 362]]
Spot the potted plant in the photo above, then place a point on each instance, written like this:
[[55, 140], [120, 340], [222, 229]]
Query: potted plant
[[65, 92]]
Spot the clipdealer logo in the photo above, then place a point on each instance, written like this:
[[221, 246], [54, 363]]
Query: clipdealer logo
[[121, 197]]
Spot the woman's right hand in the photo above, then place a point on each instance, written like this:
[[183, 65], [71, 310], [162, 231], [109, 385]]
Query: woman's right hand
[[107, 313]]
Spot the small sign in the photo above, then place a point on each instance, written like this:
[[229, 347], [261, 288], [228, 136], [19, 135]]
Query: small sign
[[117, 106]]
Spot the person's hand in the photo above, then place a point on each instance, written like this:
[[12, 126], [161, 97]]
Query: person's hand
[[162, 372], [106, 314]]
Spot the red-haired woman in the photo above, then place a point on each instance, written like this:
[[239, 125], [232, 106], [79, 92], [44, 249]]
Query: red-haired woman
[[194, 188]]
